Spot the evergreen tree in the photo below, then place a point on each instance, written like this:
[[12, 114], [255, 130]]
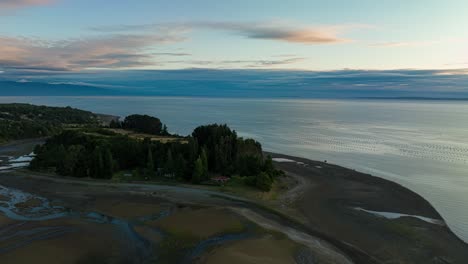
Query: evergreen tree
[[169, 162], [204, 160], [108, 164], [96, 163], [149, 160], [193, 150], [181, 165], [198, 171], [115, 124], [164, 130], [263, 182], [268, 166]]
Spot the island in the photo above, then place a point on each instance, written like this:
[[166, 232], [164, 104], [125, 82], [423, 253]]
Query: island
[[80, 187]]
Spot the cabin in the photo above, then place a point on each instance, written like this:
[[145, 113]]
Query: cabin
[[220, 179]]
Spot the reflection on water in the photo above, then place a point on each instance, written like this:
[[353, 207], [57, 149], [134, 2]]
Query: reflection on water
[[421, 145], [22, 206], [390, 215], [8, 163]]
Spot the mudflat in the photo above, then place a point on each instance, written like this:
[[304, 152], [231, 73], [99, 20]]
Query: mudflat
[[102, 222], [323, 213], [330, 199]]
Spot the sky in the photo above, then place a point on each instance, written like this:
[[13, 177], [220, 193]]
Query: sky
[[89, 35]]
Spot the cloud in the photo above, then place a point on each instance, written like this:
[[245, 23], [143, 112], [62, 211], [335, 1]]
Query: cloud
[[285, 32], [396, 44], [175, 54], [280, 32], [453, 72], [238, 63], [109, 52], [10, 4]]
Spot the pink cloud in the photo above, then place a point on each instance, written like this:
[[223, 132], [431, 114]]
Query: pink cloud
[[9, 4], [396, 44], [423, 43], [285, 32], [114, 51], [282, 32]]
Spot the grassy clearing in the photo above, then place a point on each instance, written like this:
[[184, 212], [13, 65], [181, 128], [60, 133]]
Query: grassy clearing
[[141, 136], [257, 250], [204, 223], [126, 210], [236, 186], [174, 246]]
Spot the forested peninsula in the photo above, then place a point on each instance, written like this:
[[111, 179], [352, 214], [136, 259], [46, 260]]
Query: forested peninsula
[[83, 144]]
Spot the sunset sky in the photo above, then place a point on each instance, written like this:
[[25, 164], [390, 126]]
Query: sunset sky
[[72, 35]]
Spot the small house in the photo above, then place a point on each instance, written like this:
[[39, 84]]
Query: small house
[[220, 179]]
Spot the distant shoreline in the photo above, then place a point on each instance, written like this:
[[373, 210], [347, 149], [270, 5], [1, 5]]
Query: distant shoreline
[[415, 98], [237, 97]]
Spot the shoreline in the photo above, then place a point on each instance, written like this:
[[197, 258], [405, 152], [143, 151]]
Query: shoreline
[[366, 176], [320, 199], [330, 198]]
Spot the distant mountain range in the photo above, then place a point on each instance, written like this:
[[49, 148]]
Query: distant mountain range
[[396, 84], [10, 88]]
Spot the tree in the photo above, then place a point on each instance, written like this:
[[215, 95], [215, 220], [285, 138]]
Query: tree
[[198, 171], [264, 182], [181, 166], [164, 130], [102, 163], [204, 160], [221, 145], [97, 162], [149, 160], [81, 169], [192, 150], [70, 159], [115, 124], [169, 162], [143, 123], [108, 164], [268, 165]]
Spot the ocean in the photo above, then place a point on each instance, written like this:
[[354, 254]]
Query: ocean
[[422, 145]]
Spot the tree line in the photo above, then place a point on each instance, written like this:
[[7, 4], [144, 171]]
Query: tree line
[[20, 121], [212, 150], [142, 124]]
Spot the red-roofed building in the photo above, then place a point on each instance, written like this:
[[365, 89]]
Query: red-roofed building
[[220, 179]]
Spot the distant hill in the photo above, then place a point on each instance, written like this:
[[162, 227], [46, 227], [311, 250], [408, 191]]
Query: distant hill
[[352, 84], [20, 121], [10, 88]]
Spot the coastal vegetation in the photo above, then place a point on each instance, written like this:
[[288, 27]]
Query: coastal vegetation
[[21, 121], [142, 124], [78, 145]]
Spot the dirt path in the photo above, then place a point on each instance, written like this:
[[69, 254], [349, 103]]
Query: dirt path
[[300, 186], [324, 251]]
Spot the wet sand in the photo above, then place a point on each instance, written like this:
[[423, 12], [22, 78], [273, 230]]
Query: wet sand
[[252, 251], [327, 201]]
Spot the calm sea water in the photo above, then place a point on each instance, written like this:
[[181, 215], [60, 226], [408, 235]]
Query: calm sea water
[[422, 145]]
